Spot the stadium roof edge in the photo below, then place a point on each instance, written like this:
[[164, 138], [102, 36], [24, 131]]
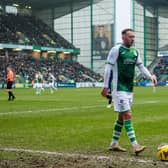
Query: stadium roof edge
[[154, 3], [43, 5], [63, 7]]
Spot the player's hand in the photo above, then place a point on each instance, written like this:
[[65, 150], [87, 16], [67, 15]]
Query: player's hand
[[154, 80], [104, 92]]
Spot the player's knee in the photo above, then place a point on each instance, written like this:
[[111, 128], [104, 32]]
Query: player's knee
[[126, 116]]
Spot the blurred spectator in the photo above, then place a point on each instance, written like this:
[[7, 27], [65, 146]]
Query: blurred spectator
[[63, 71], [161, 70], [29, 30]]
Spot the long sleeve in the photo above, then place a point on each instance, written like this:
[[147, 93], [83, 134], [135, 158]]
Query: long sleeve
[[111, 60], [142, 68], [107, 72], [144, 71]]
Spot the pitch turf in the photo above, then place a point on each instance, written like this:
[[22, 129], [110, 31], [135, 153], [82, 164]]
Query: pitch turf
[[77, 120]]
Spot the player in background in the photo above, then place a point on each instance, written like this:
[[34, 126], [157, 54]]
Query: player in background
[[122, 59], [10, 80], [109, 96], [38, 82], [51, 82]]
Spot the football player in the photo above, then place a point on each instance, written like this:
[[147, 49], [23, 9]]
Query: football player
[[122, 59]]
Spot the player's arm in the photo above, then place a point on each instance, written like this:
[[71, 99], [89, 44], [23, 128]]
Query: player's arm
[[111, 59], [145, 71], [107, 72]]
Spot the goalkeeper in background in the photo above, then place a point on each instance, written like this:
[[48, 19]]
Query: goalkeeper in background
[[122, 59]]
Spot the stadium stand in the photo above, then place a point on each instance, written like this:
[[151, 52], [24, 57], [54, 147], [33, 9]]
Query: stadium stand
[[28, 30], [161, 70], [159, 67], [64, 71]]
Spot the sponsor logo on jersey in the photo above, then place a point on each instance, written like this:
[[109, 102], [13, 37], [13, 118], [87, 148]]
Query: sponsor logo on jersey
[[129, 61]]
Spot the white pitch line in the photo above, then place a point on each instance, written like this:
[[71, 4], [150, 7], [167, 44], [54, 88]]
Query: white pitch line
[[147, 102], [66, 108], [82, 156], [50, 110]]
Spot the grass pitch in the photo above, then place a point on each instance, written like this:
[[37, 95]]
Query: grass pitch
[[76, 120]]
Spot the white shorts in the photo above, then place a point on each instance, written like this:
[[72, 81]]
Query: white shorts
[[51, 84], [37, 85], [122, 101]]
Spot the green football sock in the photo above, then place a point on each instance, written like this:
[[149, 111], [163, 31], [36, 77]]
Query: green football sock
[[117, 131], [130, 131]]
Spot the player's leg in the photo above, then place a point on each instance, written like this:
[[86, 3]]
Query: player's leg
[[126, 102], [55, 86], [118, 125], [43, 86], [109, 97], [37, 92], [116, 135], [9, 95], [51, 88], [131, 133], [8, 87], [9, 90], [38, 89], [12, 95], [109, 105]]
